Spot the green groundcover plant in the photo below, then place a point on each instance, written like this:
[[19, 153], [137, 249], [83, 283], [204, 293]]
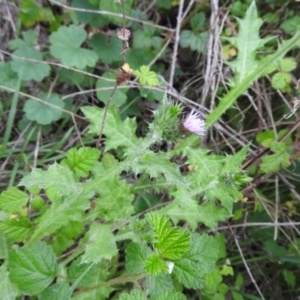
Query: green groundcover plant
[[124, 222]]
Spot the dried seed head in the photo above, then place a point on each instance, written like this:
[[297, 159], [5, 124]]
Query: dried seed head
[[123, 34]]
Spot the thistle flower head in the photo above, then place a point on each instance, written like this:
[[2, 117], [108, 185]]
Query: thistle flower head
[[194, 123]]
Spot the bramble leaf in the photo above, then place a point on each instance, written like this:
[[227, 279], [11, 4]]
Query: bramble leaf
[[32, 269], [146, 76], [288, 64], [171, 242], [44, 113], [82, 160], [18, 230], [198, 261], [158, 284], [281, 80], [13, 200], [8, 290], [273, 163], [136, 255], [154, 265], [57, 291], [66, 47], [29, 70]]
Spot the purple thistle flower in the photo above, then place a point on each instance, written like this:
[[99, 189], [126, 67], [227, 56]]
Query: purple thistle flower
[[194, 123]]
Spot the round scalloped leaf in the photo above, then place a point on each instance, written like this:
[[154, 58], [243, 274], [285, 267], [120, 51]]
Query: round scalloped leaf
[[66, 44], [108, 49], [43, 113], [119, 96], [29, 70], [8, 77]]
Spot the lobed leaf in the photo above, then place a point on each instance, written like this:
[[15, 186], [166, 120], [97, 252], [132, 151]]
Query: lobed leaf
[[154, 265], [44, 113], [82, 160], [29, 70], [65, 45], [171, 242], [146, 76]]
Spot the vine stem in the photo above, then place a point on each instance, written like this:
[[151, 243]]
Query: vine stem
[[105, 116]]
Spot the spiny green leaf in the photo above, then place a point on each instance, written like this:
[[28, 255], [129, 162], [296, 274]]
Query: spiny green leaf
[[66, 44], [136, 255], [44, 113], [115, 200], [208, 214], [229, 99], [155, 164], [13, 200], [171, 242], [32, 269], [60, 213], [247, 42], [82, 161], [18, 230], [146, 76], [57, 176], [154, 265], [97, 236], [233, 162], [118, 133], [29, 70]]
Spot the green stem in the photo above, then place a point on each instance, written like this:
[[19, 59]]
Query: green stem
[[229, 99]]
